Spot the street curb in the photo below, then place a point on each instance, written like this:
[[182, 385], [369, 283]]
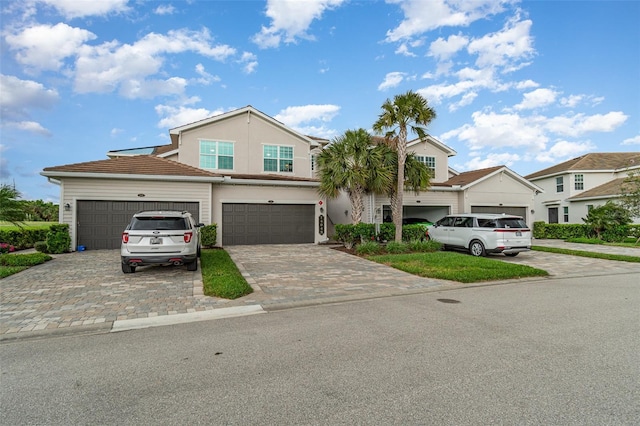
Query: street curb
[[57, 332], [159, 321]]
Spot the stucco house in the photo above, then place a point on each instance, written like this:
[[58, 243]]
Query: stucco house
[[575, 186], [256, 179]]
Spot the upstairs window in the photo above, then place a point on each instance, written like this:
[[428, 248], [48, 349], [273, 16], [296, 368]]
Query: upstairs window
[[560, 184], [430, 162], [579, 182], [278, 158], [216, 155]]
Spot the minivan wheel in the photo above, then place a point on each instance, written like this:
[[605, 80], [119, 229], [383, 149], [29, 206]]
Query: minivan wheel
[[128, 269], [476, 248]]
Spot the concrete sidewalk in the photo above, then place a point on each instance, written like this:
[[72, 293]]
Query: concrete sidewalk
[[86, 291]]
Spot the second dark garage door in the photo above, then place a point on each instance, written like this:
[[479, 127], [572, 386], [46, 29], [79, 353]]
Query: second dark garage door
[[267, 224]]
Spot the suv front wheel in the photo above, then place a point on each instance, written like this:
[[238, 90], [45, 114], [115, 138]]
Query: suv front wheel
[[476, 248]]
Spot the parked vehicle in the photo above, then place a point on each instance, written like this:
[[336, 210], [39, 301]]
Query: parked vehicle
[[481, 233], [160, 237]]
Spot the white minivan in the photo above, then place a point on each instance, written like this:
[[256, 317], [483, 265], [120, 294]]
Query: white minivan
[[482, 233]]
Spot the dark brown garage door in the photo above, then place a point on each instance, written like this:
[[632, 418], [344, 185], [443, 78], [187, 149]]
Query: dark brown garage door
[[267, 224], [100, 223], [517, 211]]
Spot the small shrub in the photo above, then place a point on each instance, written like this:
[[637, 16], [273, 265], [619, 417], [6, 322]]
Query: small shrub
[[413, 232], [6, 248], [394, 247], [209, 235], [369, 248], [41, 246], [58, 239]]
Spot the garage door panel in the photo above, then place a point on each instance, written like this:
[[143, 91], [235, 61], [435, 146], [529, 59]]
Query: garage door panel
[[517, 211], [267, 224], [100, 223]]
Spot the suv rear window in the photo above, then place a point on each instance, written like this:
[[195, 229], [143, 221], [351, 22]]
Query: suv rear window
[[159, 223]]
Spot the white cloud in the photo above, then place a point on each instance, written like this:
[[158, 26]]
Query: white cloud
[[27, 126], [471, 80], [149, 89], [564, 150], [536, 99], [175, 116], [467, 99], [444, 49], [526, 84], [579, 124], [505, 48], [165, 10], [107, 67], [44, 47], [632, 141], [392, 79], [421, 16], [76, 9], [403, 49], [18, 96], [491, 160], [290, 20], [249, 61], [298, 115], [115, 132], [205, 77]]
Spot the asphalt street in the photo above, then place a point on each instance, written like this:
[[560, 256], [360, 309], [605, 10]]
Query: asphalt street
[[553, 352]]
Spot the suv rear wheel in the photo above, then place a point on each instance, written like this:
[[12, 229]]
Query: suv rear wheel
[[192, 266], [476, 248], [128, 269]]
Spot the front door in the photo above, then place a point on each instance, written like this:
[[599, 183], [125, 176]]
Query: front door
[[553, 215]]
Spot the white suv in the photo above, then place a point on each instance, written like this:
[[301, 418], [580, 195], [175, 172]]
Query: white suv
[[160, 237], [481, 233]]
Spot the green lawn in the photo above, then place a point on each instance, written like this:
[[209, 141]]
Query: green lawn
[[591, 254], [457, 266], [221, 277]]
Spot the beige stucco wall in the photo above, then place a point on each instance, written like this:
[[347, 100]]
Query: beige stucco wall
[[74, 189], [259, 194], [499, 190], [442, 160], [248, 132]]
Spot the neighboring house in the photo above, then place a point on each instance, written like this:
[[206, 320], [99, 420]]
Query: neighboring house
[[256, 179], [491, 190], [574, 187], [243, 170]]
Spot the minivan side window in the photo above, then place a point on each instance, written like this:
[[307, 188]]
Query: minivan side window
[[445, 221], [463, 222]]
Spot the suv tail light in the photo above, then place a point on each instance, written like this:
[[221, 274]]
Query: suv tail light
[[125, 237], [188, 236]]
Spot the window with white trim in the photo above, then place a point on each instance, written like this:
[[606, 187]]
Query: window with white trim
[[430, 162], [579, 182], [559, 184], [277, 158], [565, 213], [216, 155]]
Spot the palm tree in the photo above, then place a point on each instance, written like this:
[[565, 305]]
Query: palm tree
[[417, 176], [354, 164], [408, 111], [10, 207]]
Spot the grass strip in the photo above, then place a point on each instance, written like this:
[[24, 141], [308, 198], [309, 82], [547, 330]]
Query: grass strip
[[221, 277], [457, 267], [592, 254], [13, 263]]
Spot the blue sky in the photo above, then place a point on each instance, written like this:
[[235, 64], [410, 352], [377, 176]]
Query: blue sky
[[526, 84]]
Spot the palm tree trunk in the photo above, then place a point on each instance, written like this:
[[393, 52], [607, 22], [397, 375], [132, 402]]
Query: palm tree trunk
[[357, 205], [402, 157]]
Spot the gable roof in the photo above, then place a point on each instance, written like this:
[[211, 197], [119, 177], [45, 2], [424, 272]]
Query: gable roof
[[249, 110], [152, 167], [611, 189], [435, 142], [148, 165], [159, 150], [465, 180], [596, 161]]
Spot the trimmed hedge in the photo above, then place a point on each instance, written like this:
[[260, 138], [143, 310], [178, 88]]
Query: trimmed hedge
[[351, 235], [23, 238], [563, 231]]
